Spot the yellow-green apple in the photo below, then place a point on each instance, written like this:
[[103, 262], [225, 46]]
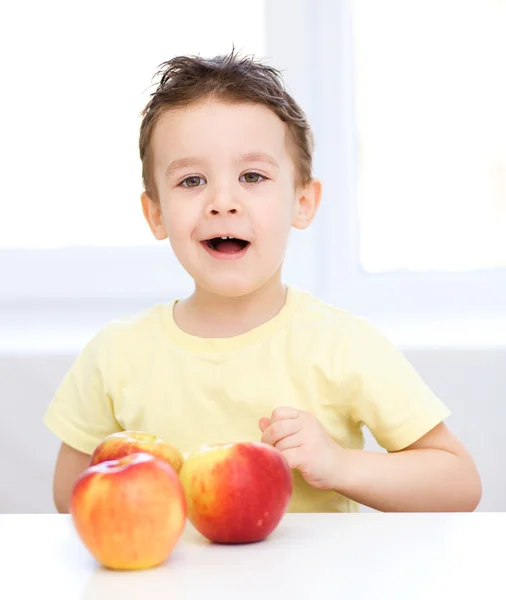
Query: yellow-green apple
[[236, 492], [129, 513], [121, 444]]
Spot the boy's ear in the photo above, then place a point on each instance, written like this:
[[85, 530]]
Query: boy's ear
[[308, 201], [153, 215]]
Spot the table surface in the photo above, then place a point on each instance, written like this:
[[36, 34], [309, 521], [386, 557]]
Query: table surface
[[309, 556]]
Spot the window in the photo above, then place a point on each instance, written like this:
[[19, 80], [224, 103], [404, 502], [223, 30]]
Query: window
[[371, 260], [430, 97]]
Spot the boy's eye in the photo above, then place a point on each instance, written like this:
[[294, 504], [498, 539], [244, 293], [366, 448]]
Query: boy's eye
[[252, 177], [192, 181]]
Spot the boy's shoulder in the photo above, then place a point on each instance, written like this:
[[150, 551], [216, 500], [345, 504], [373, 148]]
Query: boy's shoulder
[[322, 314], [134, 329], [338, 328], [146, 318]]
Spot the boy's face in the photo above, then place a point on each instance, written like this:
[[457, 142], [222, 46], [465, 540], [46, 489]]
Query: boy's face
[[225, 169]]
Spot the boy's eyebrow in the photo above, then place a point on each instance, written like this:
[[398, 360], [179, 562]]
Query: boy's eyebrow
[[259, 157], [188, 161], [182, 163]]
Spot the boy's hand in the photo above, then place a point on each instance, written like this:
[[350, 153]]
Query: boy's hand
[[305, 444]]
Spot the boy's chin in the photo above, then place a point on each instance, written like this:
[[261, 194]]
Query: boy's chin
[[230, 289]]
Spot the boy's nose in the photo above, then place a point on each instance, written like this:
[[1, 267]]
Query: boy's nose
[[221, 205]]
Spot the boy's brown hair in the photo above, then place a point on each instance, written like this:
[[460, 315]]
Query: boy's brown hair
[[186, 79]]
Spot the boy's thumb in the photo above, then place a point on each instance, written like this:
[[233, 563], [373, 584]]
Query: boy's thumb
[[263, 424]]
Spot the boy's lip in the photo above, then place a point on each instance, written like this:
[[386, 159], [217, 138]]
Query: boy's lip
[[223, 255], [225, 235]]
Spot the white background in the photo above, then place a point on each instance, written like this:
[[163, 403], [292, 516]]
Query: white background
[[75, 251]]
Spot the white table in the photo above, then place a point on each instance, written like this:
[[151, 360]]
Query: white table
[[351, 556]]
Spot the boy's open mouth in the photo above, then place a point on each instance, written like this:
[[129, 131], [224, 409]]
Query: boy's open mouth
[[226, 244]]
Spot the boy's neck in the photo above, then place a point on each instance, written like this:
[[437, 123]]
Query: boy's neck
[[208, 315]]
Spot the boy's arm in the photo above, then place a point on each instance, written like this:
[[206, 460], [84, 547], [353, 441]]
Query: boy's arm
[[426, 468], [434, 474], [69, 465], [82, 413]]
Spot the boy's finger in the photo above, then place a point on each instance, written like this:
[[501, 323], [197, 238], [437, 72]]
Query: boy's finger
[[263, 424], [288, 442], [275, 432], [284, 412], [292, 456]]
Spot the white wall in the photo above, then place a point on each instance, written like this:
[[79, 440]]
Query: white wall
[[472, 382]]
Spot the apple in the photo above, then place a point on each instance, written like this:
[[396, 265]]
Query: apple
[[121, 444], [130, 512], [238, 492]]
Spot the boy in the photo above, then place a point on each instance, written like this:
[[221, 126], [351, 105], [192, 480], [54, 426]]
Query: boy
[[226, 163]]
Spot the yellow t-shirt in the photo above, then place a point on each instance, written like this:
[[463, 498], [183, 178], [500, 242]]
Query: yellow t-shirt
[[144, 373]]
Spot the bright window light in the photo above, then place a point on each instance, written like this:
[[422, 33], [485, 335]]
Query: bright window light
[[430, 109]]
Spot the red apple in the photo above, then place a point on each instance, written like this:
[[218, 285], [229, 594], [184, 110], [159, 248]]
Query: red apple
[[123, 443], [236, 492], [129, 513]]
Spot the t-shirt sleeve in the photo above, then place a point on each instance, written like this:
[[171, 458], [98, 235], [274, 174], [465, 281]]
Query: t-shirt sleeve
[[390, 397], [81, 412]]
